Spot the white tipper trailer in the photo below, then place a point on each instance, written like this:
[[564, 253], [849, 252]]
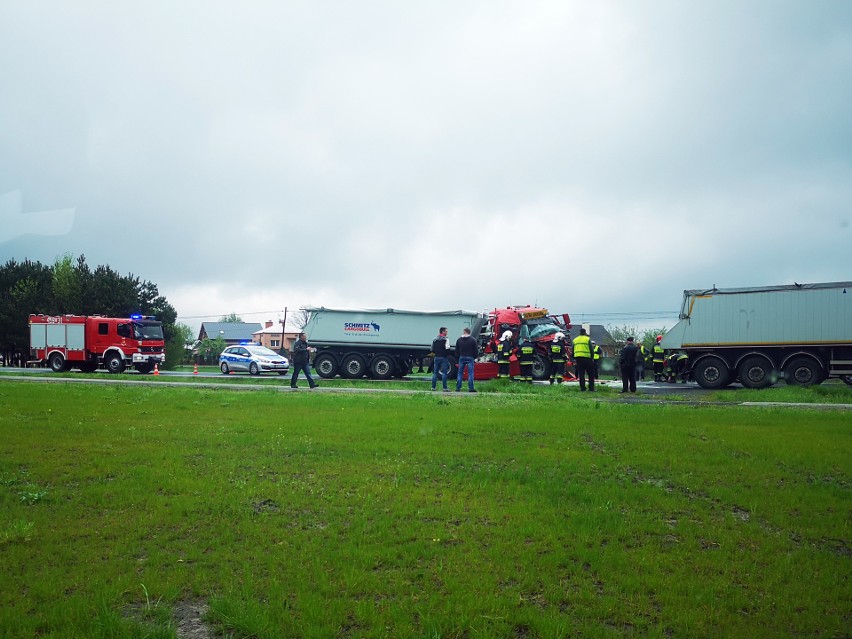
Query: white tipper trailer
[[799, 332], [380, 343]]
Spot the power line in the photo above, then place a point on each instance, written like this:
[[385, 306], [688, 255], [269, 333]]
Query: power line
[[188, 317]]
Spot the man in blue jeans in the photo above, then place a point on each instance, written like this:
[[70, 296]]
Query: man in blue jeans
[[466, 350], [441, 363], [301, 361]]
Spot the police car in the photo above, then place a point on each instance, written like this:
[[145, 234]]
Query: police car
[[252, 358]]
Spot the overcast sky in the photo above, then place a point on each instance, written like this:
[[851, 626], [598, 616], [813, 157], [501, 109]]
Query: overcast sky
[[591, 157]]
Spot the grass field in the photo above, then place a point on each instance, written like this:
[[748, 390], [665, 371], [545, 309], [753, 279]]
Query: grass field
[[143, 511]]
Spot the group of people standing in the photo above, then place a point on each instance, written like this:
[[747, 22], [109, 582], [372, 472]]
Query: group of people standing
[[466, 350]]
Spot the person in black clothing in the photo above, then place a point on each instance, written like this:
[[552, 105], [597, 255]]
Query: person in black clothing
[[526, 357], [466, 350], [557, 358], [627, 361], [504, 354], [301, 353], [441, 363]]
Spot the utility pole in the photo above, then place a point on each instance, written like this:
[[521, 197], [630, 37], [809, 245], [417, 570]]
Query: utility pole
[[283, 329]]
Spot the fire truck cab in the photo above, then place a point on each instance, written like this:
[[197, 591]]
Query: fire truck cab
[[64, 342]]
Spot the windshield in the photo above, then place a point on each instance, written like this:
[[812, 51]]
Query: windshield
[[541, 331], [261, 350], [148, 331]]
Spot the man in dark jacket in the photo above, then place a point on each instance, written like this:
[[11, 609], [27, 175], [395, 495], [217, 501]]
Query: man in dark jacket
[[466, 350], [301, 356], [441, 363], [627, 361]]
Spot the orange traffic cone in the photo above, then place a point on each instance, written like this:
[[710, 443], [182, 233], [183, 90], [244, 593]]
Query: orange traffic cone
[[156, 369], [195, 370]]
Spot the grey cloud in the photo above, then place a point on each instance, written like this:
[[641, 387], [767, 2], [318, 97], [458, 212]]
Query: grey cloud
[[236, 146]]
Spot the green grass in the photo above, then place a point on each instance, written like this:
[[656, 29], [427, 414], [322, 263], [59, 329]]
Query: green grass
[[336, 515]]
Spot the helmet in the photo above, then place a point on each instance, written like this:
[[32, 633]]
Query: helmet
[[506, 335], [659, 337], [559, 336]]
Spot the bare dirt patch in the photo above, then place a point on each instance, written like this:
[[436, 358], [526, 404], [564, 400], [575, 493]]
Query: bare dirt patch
[[189, 620]]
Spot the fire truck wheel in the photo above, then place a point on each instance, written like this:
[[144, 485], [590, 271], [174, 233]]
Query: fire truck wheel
[[114, 363], [57, 363]]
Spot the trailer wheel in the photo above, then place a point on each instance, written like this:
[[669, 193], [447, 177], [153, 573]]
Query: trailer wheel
[[540, 367], [325, 365], [382, 367], [847, 379], [353, 367], [114, 363], [402, 370], [57, 363], [756, 372], [803, 371], [452, 369], [712, 373]]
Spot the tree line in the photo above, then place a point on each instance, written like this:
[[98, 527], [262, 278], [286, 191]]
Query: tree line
[[70, 286]]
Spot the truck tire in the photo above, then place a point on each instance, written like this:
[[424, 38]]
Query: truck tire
[[57, 363], [353, 366], [711, 373], [382, 367], [755, 372], [847, 379], [325, 365], [452, 369], [113, 363], [803, 371], [540, 367], [402, 370]]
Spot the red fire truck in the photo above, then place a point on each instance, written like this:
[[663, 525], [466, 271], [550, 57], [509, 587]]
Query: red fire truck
[[64, 342]]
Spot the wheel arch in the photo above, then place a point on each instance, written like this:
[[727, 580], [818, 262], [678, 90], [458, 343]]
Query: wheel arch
[[789, 358]]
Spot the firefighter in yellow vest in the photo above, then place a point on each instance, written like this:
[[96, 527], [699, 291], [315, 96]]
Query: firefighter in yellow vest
[[659, 358], [641, 358], [504, 352], [557, 358], [583, 362], [596, 359], [526, 354]]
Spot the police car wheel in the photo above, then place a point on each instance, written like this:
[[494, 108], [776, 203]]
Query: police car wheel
[[254, 369], [224, 368]]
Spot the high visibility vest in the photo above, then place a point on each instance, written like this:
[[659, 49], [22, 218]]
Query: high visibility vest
[[527, 352], [581, 346], [557, 352], [504, 351], [659, 354], [596, 352]]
